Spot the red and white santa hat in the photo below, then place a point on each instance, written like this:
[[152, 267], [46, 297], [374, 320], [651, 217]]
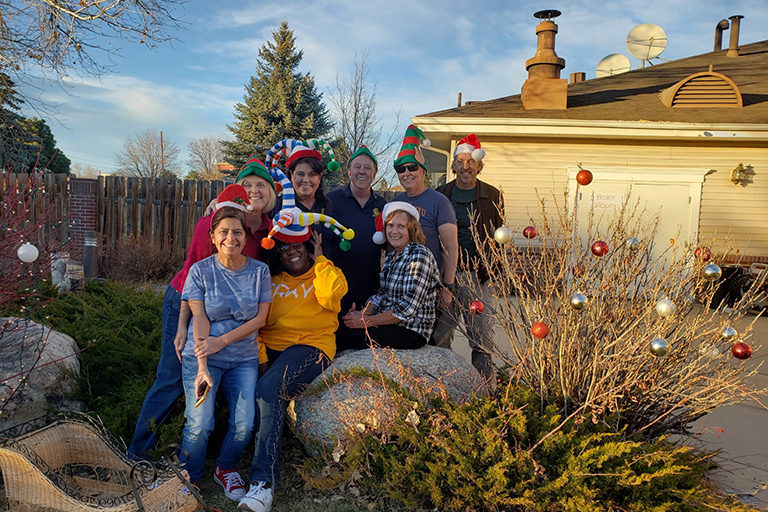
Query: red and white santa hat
[[394, 206], [234, 196], [470, 144]]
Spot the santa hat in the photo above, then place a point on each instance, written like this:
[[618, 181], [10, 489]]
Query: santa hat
[[394, 206], [257, 168], [296, 149], [234, 196], [470, 144], [410, 152], [291, 224]]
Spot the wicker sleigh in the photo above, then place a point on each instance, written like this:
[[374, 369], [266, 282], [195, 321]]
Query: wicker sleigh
[[71, 466]]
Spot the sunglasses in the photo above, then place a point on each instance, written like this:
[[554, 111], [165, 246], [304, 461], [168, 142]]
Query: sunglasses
[[287, 247], [400, 169]]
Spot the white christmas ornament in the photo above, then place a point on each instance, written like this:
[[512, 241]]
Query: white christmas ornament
[[665, 307], [503, 235], [27, 253]]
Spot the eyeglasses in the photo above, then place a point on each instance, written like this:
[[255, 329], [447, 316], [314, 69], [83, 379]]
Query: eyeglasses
[[287, 247], [400, 169]]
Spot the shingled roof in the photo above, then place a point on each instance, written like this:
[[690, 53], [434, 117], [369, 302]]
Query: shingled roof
[[635, 95]]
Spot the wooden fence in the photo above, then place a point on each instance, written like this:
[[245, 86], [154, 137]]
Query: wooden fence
[[36, 199], [160, 212]]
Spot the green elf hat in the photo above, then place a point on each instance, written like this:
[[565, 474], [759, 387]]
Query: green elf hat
[[256, 167], [410, 152], [363, 150]]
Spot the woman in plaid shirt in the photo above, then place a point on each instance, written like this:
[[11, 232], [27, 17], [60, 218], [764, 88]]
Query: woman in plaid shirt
[[401, 315]]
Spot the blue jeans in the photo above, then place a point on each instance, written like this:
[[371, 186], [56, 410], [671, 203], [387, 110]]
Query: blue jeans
[[238, 381], [167, 388], [290, 373]]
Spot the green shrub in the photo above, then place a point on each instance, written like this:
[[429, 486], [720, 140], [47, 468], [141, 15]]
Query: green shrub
[[509, 454], [120, 332]]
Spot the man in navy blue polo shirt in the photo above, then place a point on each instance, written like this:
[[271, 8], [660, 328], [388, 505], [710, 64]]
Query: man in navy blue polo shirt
[[356, 206]]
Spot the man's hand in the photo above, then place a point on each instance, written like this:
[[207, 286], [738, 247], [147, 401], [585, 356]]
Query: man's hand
[[444, 298]]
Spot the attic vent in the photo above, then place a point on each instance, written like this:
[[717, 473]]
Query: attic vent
[[707, 89]]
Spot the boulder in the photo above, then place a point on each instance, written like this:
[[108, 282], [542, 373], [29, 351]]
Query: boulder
[[38, 370], [359, 392]]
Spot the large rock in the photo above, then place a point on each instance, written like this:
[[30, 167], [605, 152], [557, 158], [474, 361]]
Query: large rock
[[356, 392], [38, 370]]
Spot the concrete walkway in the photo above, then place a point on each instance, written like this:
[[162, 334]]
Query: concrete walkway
[[738, 432]]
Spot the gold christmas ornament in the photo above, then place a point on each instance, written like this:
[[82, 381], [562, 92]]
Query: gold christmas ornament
[[579, 301], [711, 272], [729, 333], [659, 347], [665, 307], [632, 244]]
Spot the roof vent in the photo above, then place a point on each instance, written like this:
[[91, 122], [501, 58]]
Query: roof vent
[[707, 89]]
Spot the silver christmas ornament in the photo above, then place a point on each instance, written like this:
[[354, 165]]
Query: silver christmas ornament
[[729, 333], [632, 243], [665, 307], [579, 301], [27, 253], [711, 272], [709, 351], [659, 347], [503, 235]]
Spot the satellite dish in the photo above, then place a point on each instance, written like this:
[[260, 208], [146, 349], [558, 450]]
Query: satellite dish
[[646, 41], [613, 64]]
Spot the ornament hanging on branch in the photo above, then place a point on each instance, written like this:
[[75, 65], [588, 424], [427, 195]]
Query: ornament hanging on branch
[[659, 347], [584, 177], [711, 272], [27, 253], [503, 235], [600, 248], [729, 333], [665, 308], [632, 243], [579, 301], [709, 351], [741, 350], [540, 330], [476, 307], [530, 232], [702, 253]]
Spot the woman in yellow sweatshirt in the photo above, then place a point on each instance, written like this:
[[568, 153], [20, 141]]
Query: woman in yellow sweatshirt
[[299, 341]]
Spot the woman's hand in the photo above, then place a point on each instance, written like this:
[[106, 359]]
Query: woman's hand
[[179, 341], [211, 208], [205, 347], [444, 298], [203, 378], [354, 319], [317, 242]]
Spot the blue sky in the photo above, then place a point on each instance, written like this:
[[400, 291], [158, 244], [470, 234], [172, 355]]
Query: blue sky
[[421, 54]]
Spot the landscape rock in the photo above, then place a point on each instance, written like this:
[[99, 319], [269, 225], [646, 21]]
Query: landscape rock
[[38, 370], [355, 394]]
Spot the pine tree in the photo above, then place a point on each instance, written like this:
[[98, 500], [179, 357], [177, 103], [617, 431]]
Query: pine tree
[[279, 102]]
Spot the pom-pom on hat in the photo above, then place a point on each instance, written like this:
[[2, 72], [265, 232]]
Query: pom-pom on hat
[[256, 167], [234, 196], [470, 144], [296, 149], [410, 152], [291, 224], [394, 206]]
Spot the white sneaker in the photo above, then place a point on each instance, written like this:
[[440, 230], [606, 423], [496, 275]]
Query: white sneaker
[[258, 498]]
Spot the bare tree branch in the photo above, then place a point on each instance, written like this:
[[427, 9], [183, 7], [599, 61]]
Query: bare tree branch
[[147, 156], [204, 154]]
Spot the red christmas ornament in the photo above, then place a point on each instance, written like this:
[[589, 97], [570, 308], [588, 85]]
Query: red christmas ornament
[[703, 253], [584, 177], [540, 330], [530, 232], [476, 307], [741, 350], [600, 248]]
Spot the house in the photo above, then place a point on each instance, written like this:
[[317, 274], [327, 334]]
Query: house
[[690, 136]]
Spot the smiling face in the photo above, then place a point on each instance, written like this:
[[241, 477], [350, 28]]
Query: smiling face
[[396, 229], [260, 193], [306, 181], [361, 172], [412, 179], [295, 258], [466, 169], [228, 236]]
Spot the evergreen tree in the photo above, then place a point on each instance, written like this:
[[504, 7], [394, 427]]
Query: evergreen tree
[[45, 154], [279, 102]]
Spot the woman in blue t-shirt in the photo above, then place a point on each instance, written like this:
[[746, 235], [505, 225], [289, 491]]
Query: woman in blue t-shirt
[[229, 295]]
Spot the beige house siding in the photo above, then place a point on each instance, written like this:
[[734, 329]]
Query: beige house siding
[[522, 167]]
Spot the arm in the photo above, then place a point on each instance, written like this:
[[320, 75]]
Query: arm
[[201, 328], [212, 344], [330, 284], [361, 320], [182, 330], [449, 239]]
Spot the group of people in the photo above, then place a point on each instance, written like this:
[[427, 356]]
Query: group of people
[[268, 295]]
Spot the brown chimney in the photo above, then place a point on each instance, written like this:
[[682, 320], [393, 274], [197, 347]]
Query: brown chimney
[[733, 47], [723, 25], [544, 89], [578, 77]]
